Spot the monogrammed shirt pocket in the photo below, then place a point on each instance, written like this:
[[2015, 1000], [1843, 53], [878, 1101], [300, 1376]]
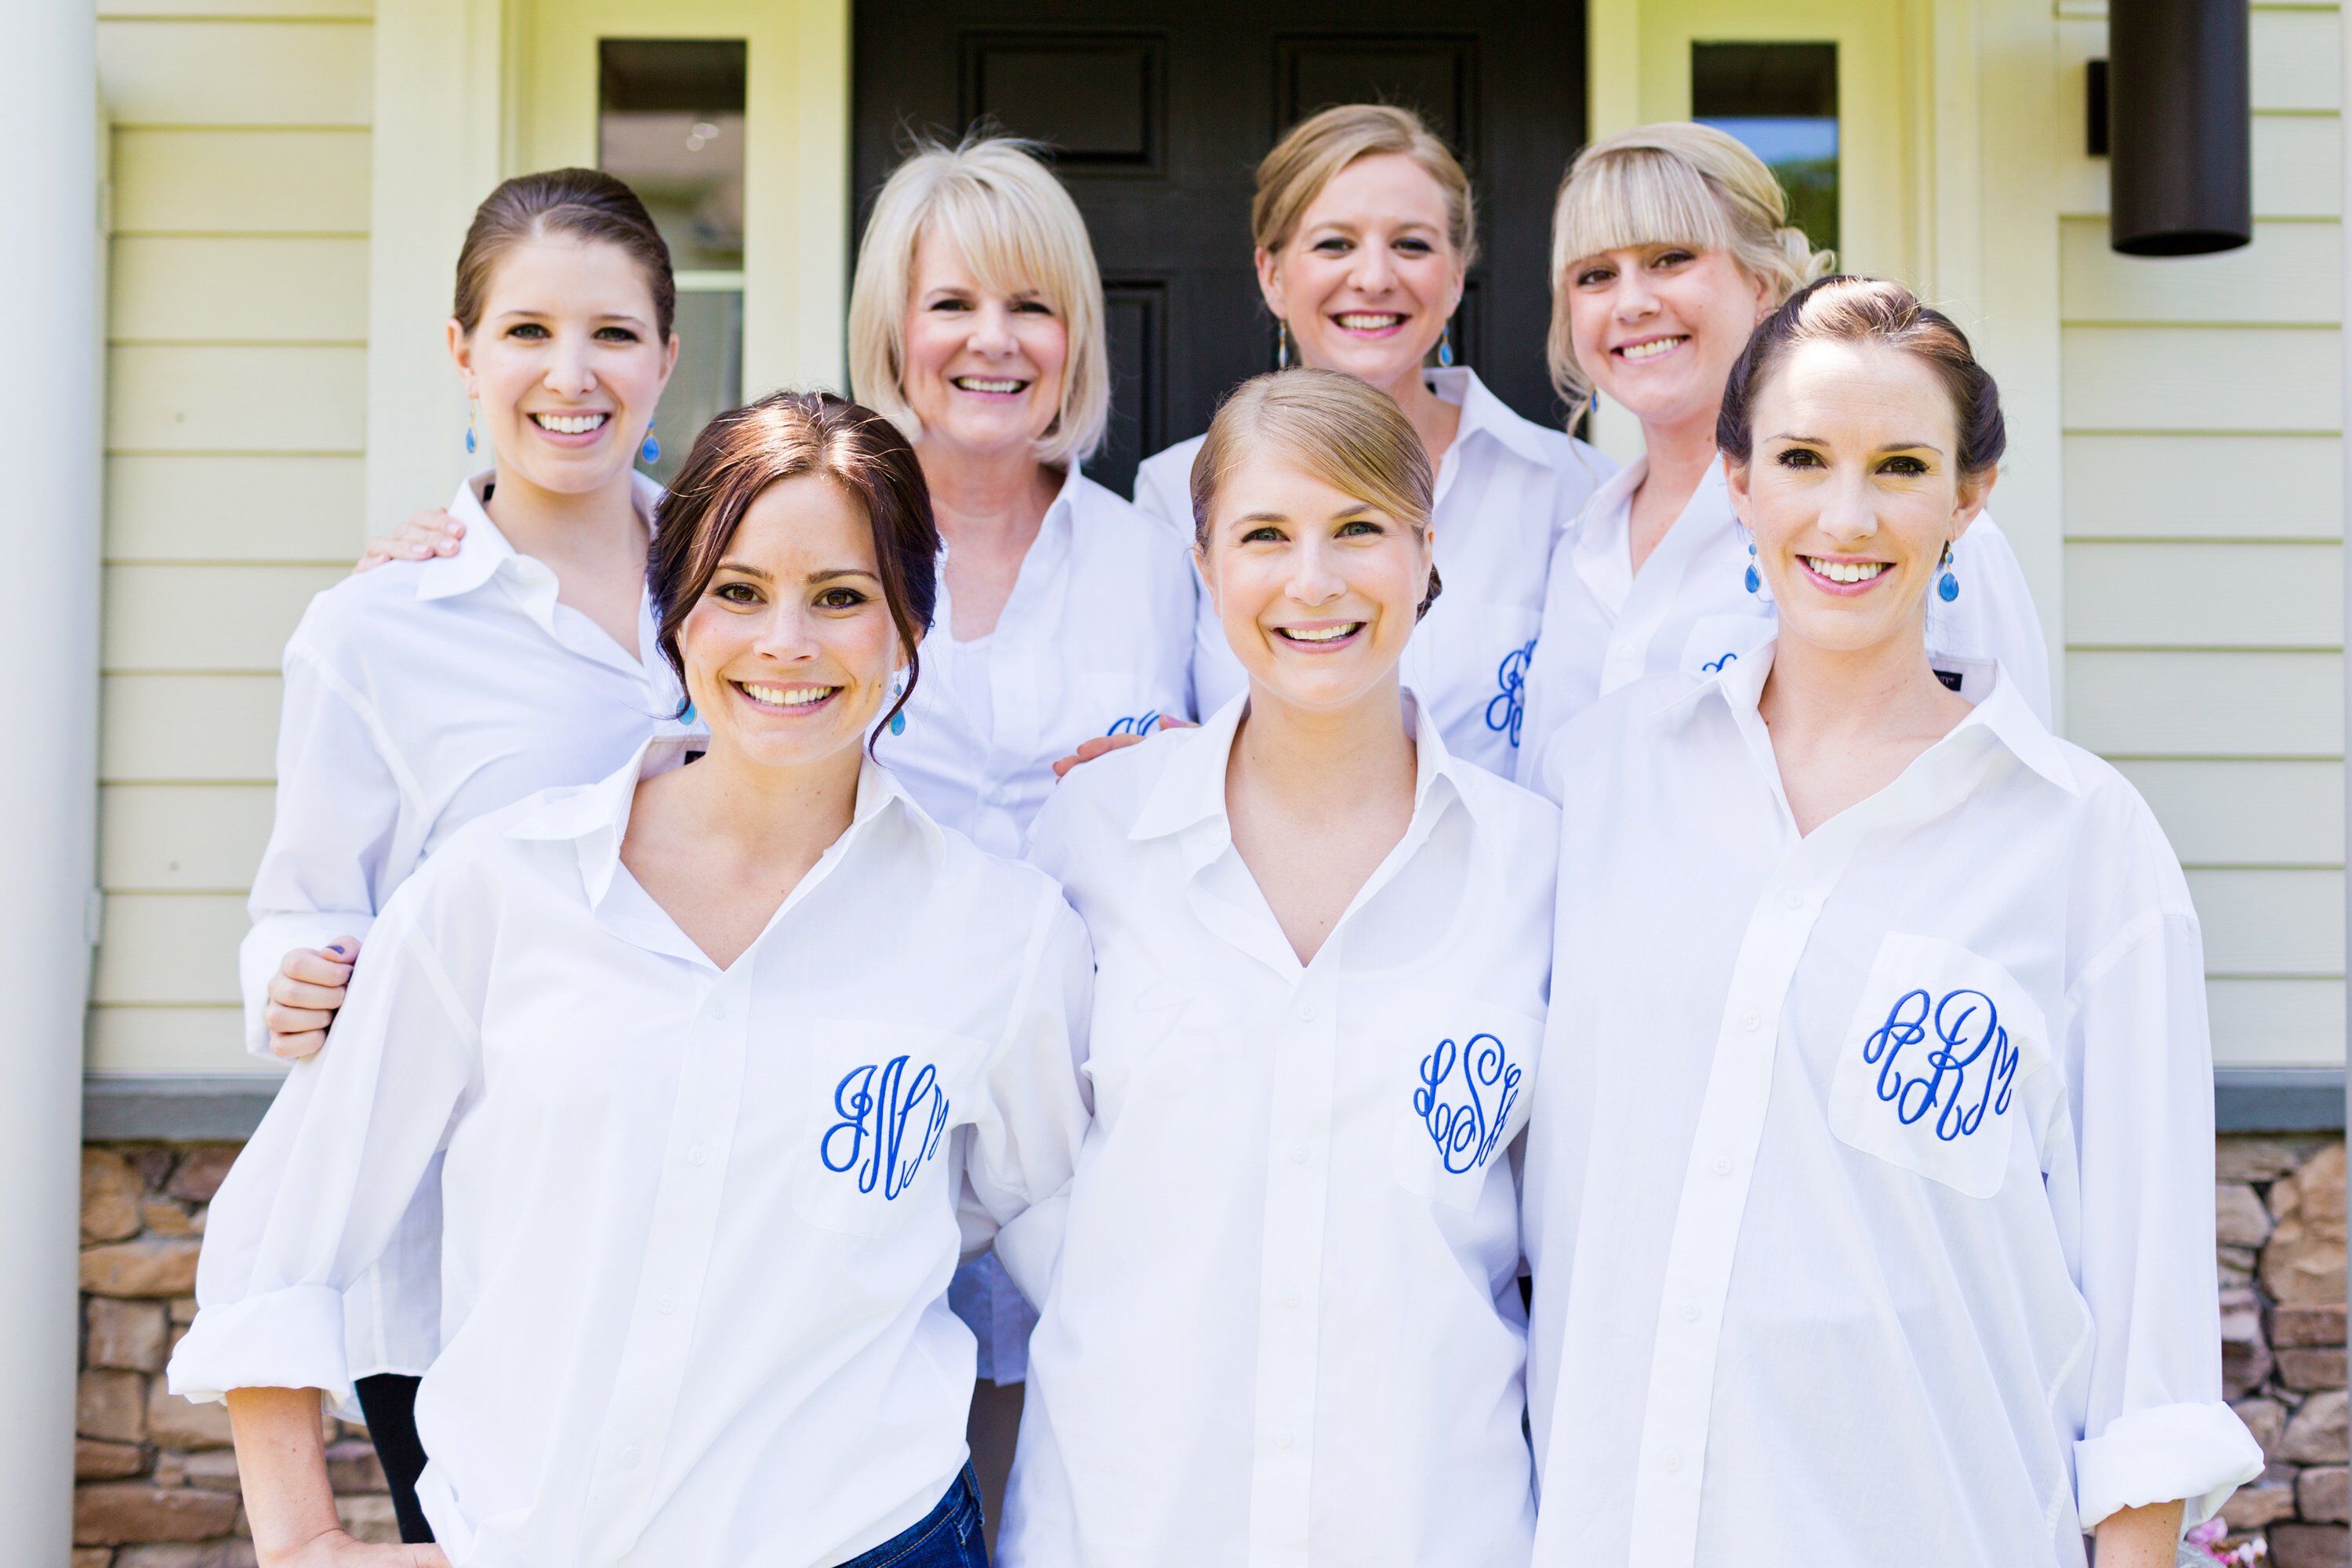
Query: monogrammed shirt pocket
[[1718, 642], [1931, 1074], [883, 1102], [1467, 1082]]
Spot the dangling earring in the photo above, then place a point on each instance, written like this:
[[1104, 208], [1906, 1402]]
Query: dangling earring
[[1948, 586], [649, 450], [1755, 578], [469, 427], [897, 718], [1446, 346], [1281, 345]]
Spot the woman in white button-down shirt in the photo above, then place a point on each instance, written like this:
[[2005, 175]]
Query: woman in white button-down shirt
[[1869, 1188], [1285, 1328], [423, 695], [1365, 231], [799, 1042], [1669, 244]]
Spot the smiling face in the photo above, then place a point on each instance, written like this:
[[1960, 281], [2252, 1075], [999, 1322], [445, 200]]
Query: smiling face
[[1851, 492], [566, 362], [790, 652], [1656, 327], [984, 369], [1368, 278], [1318, 590]]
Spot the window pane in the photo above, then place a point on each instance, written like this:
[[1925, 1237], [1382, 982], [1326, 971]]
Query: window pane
[[670, 121], [1782, 101]]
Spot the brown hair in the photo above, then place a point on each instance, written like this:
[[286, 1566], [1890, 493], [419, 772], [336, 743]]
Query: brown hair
[[784, 435], [1850, 310], [579, 203], [1291, 176], [1345, 432]]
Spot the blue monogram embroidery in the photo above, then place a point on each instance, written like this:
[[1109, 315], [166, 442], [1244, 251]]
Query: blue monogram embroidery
[[1713, 665], [877, 1105], [1136, 724], [1509, 705], [1968, 1031], [1465, 1097]]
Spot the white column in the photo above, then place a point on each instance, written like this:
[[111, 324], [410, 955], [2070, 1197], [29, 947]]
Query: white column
[[2343, 285], [49, 407]]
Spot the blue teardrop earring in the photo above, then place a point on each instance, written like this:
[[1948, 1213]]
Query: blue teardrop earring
[[1948, 586], [899, 718], [1446, 346], [649, 450], [1755, 578], [469, 427]]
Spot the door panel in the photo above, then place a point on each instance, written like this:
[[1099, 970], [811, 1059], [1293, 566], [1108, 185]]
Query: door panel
[[1157, 116]]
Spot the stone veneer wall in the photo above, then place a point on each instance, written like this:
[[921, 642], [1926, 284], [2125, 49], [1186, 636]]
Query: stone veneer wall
[[157, 1484]]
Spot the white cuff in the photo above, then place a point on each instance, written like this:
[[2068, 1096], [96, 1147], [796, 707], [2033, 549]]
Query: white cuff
[[283, 1338], [2193, 1454], [264, 948]]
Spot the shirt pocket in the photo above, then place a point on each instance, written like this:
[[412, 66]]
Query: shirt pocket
[[884, 1100], [1930, 1072], [1469, 663], [1718, 642], [1458, 1091], [1122, 703]]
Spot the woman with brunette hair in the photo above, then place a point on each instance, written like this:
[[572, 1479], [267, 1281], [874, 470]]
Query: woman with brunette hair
[[665, 989], [1322, 947], [420, 697], [1670, 243], [1365, 231], [1869, 1182]]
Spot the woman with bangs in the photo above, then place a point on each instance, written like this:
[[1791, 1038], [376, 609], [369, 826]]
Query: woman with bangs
[[1670, 244], [1365, 230]]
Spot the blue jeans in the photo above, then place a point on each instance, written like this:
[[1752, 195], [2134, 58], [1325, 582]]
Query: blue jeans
[[947, 1537]]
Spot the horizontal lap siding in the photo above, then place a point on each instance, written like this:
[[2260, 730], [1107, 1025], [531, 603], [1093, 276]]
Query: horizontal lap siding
[[236, 420], [2202, 410]]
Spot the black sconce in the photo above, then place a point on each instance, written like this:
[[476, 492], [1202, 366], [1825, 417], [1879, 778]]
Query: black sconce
[[2180, 127]]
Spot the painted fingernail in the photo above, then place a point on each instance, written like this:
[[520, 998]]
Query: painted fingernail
[[337, 949]]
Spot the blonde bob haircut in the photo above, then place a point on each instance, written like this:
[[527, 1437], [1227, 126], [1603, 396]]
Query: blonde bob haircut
[[1017, 229], [1290, 177], [1677, 183]]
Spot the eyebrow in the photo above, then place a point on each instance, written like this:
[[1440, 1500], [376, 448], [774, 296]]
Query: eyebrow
[[830, 574], [1352, 510], [1889, 447], [535, 315]]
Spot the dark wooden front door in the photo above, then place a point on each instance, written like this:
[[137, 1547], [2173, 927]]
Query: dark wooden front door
[[1158, 111]]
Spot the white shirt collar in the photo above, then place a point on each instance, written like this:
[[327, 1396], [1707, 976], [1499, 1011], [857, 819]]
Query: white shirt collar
[[1483, 414], [1191, 788], [596, 817], [2004, 713], [484, 549]]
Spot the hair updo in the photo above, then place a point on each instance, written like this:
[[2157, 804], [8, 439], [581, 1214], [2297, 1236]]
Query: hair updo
[[576, 203], [1847, 309]]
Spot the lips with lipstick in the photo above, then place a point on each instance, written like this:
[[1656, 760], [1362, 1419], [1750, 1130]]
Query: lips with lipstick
[[1842, 577], [572, 424]]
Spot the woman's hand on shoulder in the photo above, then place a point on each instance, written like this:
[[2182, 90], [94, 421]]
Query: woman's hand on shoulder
[[305, 995], [339, 1549], [422, 537], [1103, 745]]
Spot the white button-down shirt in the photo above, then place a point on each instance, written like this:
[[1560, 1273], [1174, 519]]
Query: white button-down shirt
[[1606, 626], [1097, 639], [1285, 1326], [1505, 488], [418, 697], [1869, 1188], [699, 1222]]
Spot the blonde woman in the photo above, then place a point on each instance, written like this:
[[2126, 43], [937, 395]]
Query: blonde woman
[[1365, 231], [1284, 1324], [1669, 244]]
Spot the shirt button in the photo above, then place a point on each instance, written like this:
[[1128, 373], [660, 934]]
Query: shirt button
[[1306, 1011], [696, 1154], [1723, 1164], [1690, 1314], [1290, 1298], [1751, 1022], [719, 1008], [1282, 1440], [1673, 1464], [1794, 900], [629, 1457], [1298, 1156], [667, 1304]]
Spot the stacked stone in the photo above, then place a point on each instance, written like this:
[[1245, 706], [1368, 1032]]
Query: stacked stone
[[155, 1480], [2279, 1208]]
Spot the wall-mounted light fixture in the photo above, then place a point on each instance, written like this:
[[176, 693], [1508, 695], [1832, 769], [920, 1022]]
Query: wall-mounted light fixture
[[2180, 127]]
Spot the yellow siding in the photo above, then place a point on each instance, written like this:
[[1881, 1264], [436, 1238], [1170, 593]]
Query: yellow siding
[[2203, 616], [237, 335]]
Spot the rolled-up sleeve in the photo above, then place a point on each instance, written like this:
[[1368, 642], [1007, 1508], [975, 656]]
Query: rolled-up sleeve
[[318, 1193], [1026, 1148], [2155, 1429], [328, 867]]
